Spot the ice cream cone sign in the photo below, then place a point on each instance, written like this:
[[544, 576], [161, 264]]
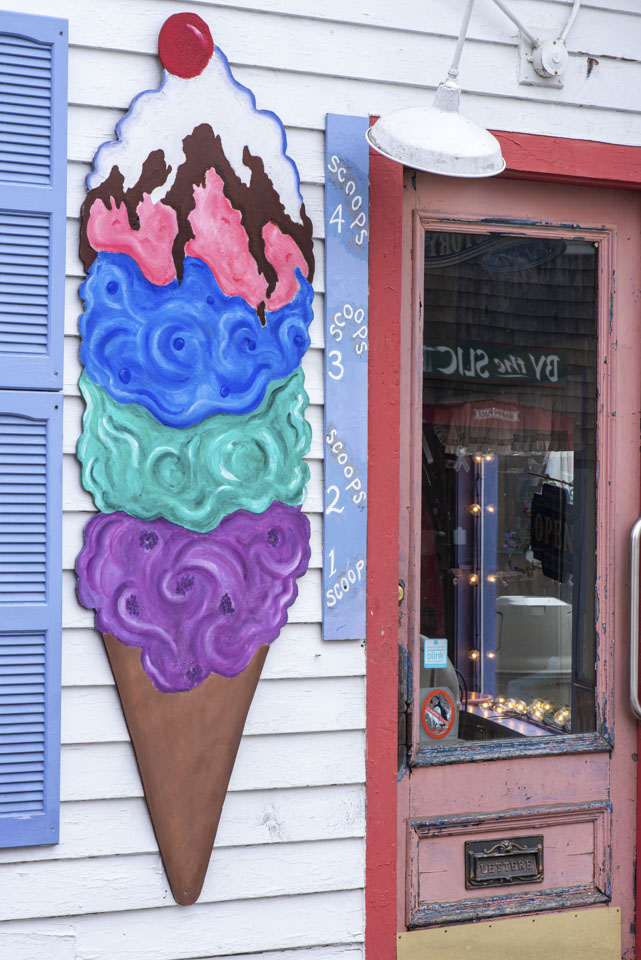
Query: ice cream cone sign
[[197, 306]]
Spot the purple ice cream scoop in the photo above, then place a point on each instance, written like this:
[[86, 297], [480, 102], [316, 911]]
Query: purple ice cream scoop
[[195, 603]]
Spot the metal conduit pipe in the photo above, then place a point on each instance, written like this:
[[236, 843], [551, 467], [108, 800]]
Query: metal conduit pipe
[[571, 19], [526, 33], [524, 30]]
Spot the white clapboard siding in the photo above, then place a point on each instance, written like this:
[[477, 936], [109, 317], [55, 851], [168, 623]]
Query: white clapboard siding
[[76, 192], [89, 128], [334, 951], [299, 652], [75, 269], [107, 828], [95, 26], [312, 368], [73, 525], [257, 39], [494, 70], [75, 497], [138, 881], [305, 609], [92, 714], [73, 308], [26, 946], [74, 407], [184, 933], [108, 770]]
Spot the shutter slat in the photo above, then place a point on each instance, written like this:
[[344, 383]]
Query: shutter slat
[[22, 740], [26, 767], [27, 671], [9, 687], [12, 799], [19, 781], [33, 49], [21, 808], [11, 750], [13, 114], [34, 708]]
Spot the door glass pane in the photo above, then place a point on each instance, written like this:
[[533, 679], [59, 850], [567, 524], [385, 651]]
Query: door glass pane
[[509, 482]]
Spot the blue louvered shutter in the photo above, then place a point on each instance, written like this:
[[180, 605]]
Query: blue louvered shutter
[[33, 146], [33, 149]]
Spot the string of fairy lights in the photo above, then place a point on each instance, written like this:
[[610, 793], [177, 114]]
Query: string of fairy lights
[[556, 716]]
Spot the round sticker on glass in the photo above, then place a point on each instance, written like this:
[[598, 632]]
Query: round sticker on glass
[[437, 713]]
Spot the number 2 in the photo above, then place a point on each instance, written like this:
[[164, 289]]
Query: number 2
[[332, 508]]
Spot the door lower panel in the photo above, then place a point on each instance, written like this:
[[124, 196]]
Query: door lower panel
[[576, 843]]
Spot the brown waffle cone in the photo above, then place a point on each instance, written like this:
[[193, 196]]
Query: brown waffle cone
[[185, 745]]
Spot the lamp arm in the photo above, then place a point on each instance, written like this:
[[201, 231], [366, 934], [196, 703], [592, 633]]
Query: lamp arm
[[453, 71], [571, 19], [526, 33]]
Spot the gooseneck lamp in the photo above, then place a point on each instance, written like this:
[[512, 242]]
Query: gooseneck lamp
[[438, 139]]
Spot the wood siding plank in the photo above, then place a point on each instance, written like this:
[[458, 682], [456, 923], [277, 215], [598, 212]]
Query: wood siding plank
[[108, 770], [298, 653], [107, 828], [276, 923]]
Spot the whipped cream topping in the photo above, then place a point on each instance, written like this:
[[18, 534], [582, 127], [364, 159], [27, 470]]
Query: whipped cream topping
[[214, 97]]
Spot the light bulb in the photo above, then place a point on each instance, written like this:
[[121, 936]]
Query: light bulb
[[491, 655], [478, 458], [491, 509], [491, 578], [489, 457], [475, 508], [473, 654], [473, 579]]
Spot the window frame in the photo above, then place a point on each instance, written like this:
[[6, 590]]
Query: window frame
[[602, 738]]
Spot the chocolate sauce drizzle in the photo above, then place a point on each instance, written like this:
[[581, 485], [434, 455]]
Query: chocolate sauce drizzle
[[258, 203], [154, 173]]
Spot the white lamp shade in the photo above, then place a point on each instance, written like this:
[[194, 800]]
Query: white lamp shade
[[437, 141]]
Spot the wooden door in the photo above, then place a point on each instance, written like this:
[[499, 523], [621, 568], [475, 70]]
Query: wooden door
[[520, 469]]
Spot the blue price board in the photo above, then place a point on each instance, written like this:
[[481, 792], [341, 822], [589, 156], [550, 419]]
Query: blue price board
[[346, 360]]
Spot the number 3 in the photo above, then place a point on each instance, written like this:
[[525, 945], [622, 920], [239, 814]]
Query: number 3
[[336, 363]]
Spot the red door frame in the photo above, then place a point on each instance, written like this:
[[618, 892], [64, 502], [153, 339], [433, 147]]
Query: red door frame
[[530, 157]]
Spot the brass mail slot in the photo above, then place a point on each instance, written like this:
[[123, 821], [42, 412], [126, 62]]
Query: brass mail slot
[[490, 863]]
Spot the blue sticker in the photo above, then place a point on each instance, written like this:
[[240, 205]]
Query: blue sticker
[[346, 355], [434, 652]]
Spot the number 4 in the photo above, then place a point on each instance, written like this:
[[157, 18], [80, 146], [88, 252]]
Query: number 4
[[337, 217]]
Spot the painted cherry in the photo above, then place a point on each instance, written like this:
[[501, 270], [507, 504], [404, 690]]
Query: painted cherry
[[185, 45]]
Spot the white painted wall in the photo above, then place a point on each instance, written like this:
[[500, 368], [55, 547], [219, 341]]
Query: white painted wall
[[288, 867]]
